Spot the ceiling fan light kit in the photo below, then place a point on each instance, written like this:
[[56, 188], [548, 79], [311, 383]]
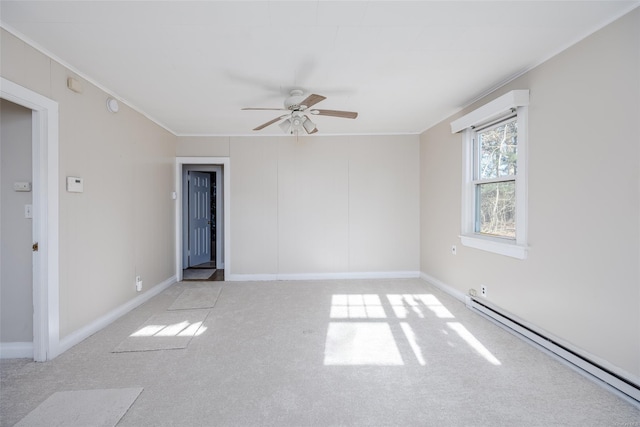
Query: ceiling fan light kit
[[309, 126], [296, 123], [285, 125], [297, 119]]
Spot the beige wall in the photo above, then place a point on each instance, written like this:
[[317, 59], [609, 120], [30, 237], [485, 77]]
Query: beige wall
[[581, 281], [16, 301], [203, 146], [322, 204], [122, 225]]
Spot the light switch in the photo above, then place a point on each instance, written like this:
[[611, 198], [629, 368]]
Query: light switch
[[22, 186], [28, 211], [75, 184]]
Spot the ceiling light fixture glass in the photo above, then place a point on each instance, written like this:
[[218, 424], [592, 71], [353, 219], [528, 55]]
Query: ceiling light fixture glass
[[286, 126], [296, 122], [309, 126]]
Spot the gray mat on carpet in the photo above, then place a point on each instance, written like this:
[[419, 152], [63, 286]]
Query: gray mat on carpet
[[82, 408], [196, 298], [165, 331]]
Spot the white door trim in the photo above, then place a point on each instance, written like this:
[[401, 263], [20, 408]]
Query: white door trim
[[46, 312], [226, 171]]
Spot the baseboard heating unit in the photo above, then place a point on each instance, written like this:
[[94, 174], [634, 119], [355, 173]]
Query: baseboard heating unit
[[624, 387]]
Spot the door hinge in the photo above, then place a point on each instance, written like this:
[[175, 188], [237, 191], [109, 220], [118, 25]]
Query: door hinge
[[34, 247]]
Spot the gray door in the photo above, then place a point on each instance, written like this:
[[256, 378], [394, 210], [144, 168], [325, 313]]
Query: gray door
[[199, 218]]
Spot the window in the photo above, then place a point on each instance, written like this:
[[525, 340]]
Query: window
[[494, 200], [494, 178]]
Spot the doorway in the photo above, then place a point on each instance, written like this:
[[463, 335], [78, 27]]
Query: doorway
[[45, 343], [202, 243], [16, 223]]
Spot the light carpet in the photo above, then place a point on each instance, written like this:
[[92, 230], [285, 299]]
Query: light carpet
[[324, 353], [82, 408], [168, 330], [196, 298]]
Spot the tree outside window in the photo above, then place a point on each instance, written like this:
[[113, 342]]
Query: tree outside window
[[496, 149]]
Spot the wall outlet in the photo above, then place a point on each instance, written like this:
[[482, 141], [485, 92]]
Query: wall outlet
[[483, 291], [454, 250], [138, 284]]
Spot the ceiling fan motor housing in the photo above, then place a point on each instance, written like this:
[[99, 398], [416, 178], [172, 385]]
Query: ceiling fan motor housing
[[296, 96]]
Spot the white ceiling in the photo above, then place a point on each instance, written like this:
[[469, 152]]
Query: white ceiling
[[403, 65]]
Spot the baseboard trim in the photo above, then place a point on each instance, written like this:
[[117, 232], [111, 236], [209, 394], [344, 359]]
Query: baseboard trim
[[444, 287], [250, 277], [323, 276], [597, 370], [85, 332], [16, 350]]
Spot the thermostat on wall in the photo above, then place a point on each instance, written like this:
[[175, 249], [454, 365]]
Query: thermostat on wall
[[75, 184]]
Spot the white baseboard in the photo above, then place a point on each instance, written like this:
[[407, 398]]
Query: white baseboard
[[81, 334], [323, 276], [250, 277], [16, 350], [444, 287]]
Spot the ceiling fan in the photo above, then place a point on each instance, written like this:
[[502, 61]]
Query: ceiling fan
[[298, 108]]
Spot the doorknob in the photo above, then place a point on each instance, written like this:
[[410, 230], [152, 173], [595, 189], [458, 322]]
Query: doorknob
[[34, 247]]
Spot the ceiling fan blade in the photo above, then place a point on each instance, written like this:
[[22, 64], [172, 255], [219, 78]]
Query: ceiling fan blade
[[312, 100], [262, 109], [270, 122], [336, 113]]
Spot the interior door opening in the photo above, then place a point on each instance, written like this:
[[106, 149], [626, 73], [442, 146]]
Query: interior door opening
[[203, 228], [16, 230], [44, 212]]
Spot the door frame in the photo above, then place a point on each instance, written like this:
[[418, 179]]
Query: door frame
[[44, 124], [225, 162]]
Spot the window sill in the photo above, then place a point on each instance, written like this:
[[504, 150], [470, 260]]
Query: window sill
[[497, 246]]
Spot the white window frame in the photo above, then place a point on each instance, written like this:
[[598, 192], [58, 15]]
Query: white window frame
[[501, 107]]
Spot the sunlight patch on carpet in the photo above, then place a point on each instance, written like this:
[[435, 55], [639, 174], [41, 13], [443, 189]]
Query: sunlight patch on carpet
[[165, 331], [473, 342], [357, 343]]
